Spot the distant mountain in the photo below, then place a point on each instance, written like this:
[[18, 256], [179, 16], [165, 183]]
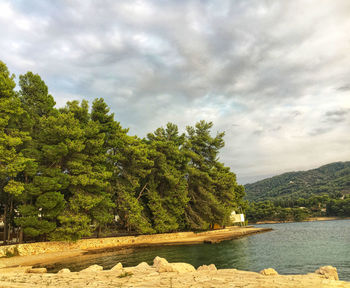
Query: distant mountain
[[330, 178]]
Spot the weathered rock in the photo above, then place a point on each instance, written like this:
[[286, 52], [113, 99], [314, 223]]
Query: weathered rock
[[63, 271], [329, 272], [162, 265], [93, 268], [220, 278], [117, 267], [268, 272], [142, 267], [182, 267], [210, 267], [36, 270], [21, 250]]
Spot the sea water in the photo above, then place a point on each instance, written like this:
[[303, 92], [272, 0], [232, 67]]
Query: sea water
[[291, 248]]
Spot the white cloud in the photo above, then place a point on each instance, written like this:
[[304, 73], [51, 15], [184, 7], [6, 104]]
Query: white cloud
[[273, 74]]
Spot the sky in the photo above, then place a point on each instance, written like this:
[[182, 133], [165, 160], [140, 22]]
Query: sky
[[274, 75]]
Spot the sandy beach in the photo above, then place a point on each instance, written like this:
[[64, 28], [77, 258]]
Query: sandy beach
[[50, 252], [311, 219]]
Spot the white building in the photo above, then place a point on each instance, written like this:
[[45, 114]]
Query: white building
[[237, 218]]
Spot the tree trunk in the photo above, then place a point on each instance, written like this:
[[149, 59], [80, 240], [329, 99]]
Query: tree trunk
[[9, 238], [20, 235], [99, 230], [5, 224]]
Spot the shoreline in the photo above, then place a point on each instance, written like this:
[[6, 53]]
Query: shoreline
[[165, 274], [311, 219], [41, 253]]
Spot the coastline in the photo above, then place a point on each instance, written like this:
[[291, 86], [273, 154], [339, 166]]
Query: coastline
[[311, 219], [165, 274], [18, 271], [50, 252]]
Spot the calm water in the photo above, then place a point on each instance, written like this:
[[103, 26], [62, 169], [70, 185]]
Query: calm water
[[292, 248]]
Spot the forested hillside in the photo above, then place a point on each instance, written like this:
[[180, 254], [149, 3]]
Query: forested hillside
[[70, 172], [332, 178]]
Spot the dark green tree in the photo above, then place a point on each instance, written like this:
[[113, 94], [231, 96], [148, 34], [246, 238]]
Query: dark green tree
[[12, 161], [132, 166], [88, 175], [212, 188], [166, 186], [42, 202], [103, 213]]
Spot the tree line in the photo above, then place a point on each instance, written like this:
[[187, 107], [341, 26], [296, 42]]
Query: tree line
[[70, 172], [299, 209], [328, 179]]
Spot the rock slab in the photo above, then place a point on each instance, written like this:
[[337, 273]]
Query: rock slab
[[329, 272], [92, 268], [162, 265], [268, 272]]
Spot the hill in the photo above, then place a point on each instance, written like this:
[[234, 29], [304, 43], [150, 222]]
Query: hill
[[328, 179]]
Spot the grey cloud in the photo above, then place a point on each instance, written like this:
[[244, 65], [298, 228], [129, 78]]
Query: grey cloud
[[320, 131], [336, 116], [344, 88], [258, 132], [261, 65]]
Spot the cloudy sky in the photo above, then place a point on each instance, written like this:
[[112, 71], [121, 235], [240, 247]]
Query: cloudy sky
[[275, 75]]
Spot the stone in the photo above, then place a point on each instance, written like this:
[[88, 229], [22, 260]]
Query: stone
[[268, 272], [210, 267], [21, 250], [92, 268], [182, 267], [63, 271], [328, 272], [36, 270], [162, 265], [117, 267], [142, 267]]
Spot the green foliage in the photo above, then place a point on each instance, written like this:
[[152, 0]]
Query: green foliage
[[299, 209], [212, 188], [133, 166], [295, 196], [65, 173], [73, 227], [331, 178], [267, 211], [166, 185], [339, 207], [12, 138]]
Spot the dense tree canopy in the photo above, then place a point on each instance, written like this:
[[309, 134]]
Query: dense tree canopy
[[299, 209], [70, 172], [328, 179]]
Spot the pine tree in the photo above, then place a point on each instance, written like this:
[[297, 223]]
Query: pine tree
[[227, 191], [41, 201], [204, 209], [166, 185], [131, 167], [12, 161], [60, 141], [103, 213], [88, 176], [65, 173]]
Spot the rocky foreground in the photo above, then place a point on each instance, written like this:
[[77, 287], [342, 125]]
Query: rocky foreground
[[164, 274]]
